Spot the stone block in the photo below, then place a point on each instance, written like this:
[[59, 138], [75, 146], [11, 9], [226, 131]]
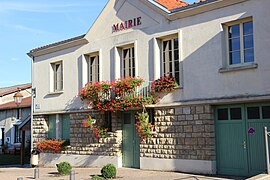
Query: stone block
[[198, 128], [209, 128], [206, 116], [199, 109], [189, 117], [181, 117], [187, 128], [178, 110], [191, 141], [186, 110]]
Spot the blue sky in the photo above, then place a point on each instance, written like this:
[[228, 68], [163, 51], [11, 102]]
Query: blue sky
[[26, 24]]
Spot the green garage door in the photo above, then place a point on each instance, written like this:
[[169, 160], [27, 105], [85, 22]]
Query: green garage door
[[240, 138]]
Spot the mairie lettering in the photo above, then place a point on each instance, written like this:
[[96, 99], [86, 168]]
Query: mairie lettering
[[127, 24]]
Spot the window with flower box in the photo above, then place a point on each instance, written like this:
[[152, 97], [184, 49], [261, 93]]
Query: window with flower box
[[170, 58]]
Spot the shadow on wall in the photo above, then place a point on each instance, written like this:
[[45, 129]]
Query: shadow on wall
[[75, 104]]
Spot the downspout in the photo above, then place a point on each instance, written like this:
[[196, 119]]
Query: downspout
[[32, 101]]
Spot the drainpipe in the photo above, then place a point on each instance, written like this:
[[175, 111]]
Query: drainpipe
[[32, 101]]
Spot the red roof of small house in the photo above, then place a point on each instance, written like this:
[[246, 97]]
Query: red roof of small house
[[13, 89], [11, 105], [172, 4]]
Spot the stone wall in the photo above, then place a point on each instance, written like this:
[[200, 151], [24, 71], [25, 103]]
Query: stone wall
[[184, 132], [40, 129], [83, 140]]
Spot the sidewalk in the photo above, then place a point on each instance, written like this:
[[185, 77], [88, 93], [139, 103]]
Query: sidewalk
[[86, 173]]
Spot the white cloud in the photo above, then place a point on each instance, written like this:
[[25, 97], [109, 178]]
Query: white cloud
[[29, 29], [49, 7]]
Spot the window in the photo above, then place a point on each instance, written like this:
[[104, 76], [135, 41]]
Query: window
[[57, 76], [240, 42], [170, 59], [93, 68], [128, 62]]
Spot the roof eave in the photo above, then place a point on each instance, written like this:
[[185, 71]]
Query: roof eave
[[59, 47]]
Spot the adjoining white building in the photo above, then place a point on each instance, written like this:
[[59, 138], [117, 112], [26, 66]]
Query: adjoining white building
[[15, 118], [213, 123]]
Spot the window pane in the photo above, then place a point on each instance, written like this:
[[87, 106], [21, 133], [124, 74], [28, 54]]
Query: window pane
[[248, 28], [248, 41], [234, 31], [235, 57], [266, 112], [234, 44], [176, 54], [222, 114], [253, 112], [176, 66], [175, 41], [249, 55], [236, 113], [165, 44], [177, 78]]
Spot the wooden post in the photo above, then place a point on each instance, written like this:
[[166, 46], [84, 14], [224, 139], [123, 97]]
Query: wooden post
[[23, 148]]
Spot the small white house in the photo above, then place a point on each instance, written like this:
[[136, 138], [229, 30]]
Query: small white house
[[15, 117], [212, 123]]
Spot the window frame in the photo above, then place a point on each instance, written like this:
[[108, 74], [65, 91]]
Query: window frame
[[54, 78], [242, 49], [171, 38], [131, 49], [90, 76]]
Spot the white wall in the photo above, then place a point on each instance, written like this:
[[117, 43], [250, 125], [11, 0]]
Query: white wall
[[202, 54]]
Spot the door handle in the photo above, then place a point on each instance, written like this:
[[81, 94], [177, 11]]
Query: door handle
[[244, 145]]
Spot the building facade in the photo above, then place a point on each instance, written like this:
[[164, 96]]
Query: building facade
[[212, 123]]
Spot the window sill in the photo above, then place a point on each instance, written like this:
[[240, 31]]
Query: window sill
[[238, 68], [55, 93]]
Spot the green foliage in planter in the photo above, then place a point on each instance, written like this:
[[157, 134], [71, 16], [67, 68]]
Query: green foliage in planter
[[64, 168], [108, 171]]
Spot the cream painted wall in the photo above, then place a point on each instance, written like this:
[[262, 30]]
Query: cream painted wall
[[202, 54]]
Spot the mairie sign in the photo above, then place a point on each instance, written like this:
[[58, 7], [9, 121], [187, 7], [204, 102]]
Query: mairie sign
[[126, 24]]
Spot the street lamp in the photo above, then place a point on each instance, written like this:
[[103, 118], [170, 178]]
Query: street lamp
[[18, 97], [18, 100]]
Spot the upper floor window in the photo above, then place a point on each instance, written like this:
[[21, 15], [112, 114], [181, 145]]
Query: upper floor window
[[57, 76], [170, 58], [128, 62], [240, 42], [93, 68]]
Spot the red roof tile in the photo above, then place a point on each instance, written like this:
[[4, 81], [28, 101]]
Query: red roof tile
[[25, 102], [13, 89], [172, 4]]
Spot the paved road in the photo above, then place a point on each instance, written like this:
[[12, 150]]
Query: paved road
[[86, 174]]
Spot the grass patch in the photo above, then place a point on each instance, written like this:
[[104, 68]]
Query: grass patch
[[12, 159]]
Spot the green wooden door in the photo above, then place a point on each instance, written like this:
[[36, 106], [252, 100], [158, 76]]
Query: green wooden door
[[231, 141], [65, 127], [131, 143], [52, 127], [240, 143]]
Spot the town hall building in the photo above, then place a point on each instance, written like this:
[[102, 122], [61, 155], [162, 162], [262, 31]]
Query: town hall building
[[212, 123]]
